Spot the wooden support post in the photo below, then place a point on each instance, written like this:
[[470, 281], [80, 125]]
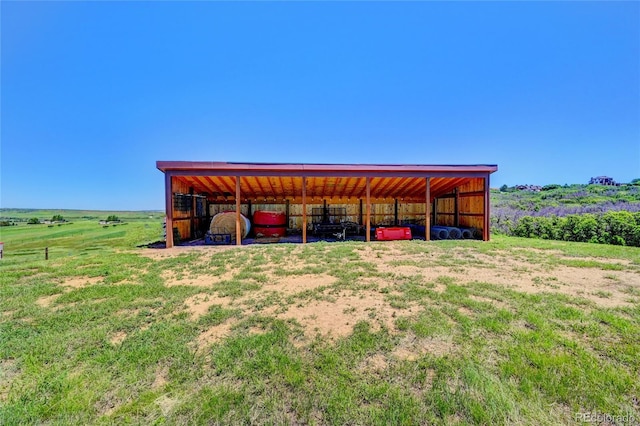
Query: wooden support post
[[395, 213], [368, 237], [238, 226], [427, 212], [486, 212], [304, 210], [168, 206], [456, 208], [249, 210]]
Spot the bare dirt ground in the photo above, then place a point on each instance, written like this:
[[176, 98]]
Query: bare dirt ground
[[333, 313]]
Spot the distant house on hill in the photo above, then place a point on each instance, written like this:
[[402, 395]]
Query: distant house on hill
[[603, 180], [531, 188]]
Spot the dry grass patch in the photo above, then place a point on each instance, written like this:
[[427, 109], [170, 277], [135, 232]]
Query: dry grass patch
[[47, 301], [160, 378], [412, 347], [374, 363], [8, 371], [172, 279]]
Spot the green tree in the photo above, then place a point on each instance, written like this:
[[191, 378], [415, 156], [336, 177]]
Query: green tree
[[113, 218], [504, 188], [57, 218], [33, 221]]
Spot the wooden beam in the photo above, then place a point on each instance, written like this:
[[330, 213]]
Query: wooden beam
[[368, 237], [354, 192], [485, 229], [412, 188], [238, 227], [168, 205], [273, 191], [248, 189], [378, 185], [304, 210], [227, 186], [390, 191], [262, 191], [282, 191], [472, 194], [427, 213]]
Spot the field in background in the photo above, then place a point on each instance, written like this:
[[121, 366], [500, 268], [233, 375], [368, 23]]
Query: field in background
[[80, 234], [512, 331]]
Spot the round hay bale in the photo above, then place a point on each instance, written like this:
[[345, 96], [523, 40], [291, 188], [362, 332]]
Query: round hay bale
[[225, 223]]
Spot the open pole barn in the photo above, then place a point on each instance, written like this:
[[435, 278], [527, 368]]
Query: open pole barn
[[313, 196]]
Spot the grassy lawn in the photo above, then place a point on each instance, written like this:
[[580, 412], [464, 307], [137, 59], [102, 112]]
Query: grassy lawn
[[513, 331]]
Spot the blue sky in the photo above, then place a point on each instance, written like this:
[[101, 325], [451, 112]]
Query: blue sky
[[93, 93]]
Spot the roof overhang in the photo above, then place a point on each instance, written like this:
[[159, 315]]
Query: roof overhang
[[278, 181], [209, 168]]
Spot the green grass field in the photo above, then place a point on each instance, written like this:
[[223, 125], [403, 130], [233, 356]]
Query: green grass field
[[512, 331]]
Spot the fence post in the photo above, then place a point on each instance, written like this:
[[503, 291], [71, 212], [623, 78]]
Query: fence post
[[46, 253]]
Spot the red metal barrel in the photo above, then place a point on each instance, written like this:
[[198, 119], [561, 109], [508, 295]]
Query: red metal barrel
[[269, 224]]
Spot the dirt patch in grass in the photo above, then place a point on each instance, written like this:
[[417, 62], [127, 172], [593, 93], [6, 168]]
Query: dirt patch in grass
[[68, 285], [109, 403], [336, 318], [47, 301], [298, 283], [215, 333], [603, 287], [375, 362], [198, 304], [160, 377], [466, 311], [81, 282], [117, 338]]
